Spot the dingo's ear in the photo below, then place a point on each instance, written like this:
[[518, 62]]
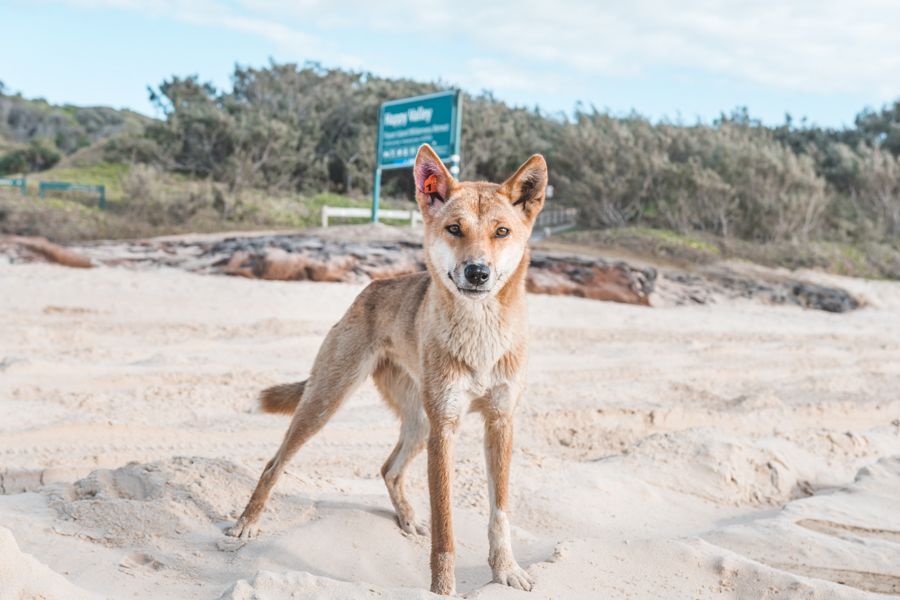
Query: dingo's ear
[[527, 187], [433, 181]]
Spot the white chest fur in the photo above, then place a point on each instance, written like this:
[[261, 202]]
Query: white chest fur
[[476, 334]]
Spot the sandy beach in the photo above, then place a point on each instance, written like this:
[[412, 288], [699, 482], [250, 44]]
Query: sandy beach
[[732, 450]]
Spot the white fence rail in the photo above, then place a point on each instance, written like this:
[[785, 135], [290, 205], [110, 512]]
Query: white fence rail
[[412, 216], [555, 220]]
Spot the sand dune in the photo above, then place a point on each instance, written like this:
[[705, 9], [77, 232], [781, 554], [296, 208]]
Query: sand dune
[[732, 450]]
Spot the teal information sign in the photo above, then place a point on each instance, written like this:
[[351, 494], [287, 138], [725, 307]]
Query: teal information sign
[[406, 124], [18, 182]]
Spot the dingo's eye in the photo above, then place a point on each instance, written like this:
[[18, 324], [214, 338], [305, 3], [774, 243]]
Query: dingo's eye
[[502, 232], [454, 230]]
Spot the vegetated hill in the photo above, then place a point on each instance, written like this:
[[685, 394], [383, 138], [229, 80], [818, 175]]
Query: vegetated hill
[[291, 132], [307, 128], [38, 134]]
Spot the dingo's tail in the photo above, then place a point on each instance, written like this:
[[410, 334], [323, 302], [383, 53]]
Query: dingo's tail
[[282, 399]]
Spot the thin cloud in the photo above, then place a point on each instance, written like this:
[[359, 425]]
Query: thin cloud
[[821, 47]]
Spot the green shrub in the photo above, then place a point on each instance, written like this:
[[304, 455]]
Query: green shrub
[[37, 156]]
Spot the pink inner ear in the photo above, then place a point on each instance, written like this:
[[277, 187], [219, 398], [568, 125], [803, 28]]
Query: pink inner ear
[[426, 169]]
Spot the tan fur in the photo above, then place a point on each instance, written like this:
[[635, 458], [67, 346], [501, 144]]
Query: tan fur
[[437, 344]]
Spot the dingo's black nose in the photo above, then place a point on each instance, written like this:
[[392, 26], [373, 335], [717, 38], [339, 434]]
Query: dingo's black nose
[[477, 274]]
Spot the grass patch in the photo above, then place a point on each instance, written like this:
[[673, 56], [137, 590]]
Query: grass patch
[[111, 175], [660, 243], [298, 211], [150, 203], [873, 260], [55, 218]]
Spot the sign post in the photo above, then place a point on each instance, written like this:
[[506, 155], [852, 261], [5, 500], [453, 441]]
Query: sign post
[[406, 124]]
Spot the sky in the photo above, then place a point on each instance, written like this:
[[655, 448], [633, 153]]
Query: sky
[[682, 61]]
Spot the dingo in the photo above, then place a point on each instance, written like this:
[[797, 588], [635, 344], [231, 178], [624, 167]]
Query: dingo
[[437, 344]]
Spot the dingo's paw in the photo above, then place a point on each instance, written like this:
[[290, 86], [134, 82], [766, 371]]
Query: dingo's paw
[[243, 530], [413, 528], [515, 577]]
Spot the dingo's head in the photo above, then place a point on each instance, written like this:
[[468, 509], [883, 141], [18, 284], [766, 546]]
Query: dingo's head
[[476, 234]]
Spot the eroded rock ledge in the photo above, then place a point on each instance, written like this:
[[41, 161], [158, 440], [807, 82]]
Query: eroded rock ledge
[[290, 258], [364, 253]]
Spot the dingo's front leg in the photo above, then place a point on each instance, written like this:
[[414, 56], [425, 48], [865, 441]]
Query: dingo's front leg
[[440, 475], [444, 407], [498, 454]]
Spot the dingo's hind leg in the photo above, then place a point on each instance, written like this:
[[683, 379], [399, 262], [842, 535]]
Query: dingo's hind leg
[[402, 394], [344, 361]]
